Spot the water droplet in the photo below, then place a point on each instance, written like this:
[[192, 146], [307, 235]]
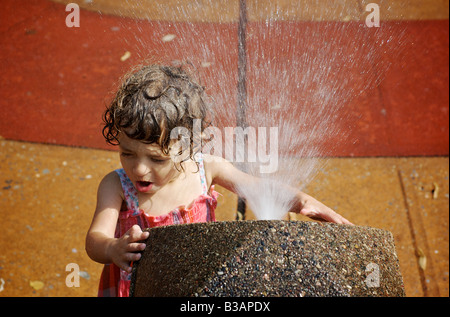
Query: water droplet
[[168, 38]]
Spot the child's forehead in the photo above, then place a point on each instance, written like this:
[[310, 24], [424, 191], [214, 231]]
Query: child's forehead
[[129, 144]]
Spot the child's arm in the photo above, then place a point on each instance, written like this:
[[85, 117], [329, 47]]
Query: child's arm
[[223, 173], [101, 246]]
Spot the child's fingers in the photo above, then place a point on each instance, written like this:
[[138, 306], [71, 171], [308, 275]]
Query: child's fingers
[[346, 222], [124, 266], [130, 257], [126, 260], [327, 215], [135, 247], [336, 218], [340, 220], [135, 233]]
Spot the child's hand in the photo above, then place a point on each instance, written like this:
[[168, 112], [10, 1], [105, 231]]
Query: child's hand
[[122, 250], [314, 209]]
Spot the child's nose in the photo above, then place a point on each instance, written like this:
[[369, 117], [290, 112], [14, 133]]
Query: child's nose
[[141, 169]]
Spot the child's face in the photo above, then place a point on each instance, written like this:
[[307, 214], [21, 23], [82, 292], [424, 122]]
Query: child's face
[[148, 168]]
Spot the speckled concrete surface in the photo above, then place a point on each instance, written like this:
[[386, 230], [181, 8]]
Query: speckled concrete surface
[[267, 258]]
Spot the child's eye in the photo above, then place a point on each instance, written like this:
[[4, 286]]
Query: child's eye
[[125, 154], [158, 161]]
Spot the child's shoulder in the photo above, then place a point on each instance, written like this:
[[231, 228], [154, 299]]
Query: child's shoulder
[[110, 184], [210, 162], [212, 159], [215, 165], [110, 194], [112, 177]]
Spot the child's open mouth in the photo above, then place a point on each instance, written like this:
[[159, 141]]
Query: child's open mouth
[[144, 186]]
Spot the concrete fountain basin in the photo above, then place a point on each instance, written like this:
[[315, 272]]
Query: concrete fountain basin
[[267, 258]]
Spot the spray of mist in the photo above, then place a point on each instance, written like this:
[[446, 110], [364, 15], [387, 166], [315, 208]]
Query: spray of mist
[[302, 74]]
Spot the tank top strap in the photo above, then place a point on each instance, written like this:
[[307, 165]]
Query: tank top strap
[[129, 191], [201, 166]]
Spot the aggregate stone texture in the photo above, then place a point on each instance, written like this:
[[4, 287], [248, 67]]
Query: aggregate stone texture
[[274, 258]]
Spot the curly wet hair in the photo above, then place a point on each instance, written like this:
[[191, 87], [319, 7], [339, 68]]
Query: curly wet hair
[[153, 101]]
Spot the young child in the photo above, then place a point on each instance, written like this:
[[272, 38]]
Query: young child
[[155, 187]]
